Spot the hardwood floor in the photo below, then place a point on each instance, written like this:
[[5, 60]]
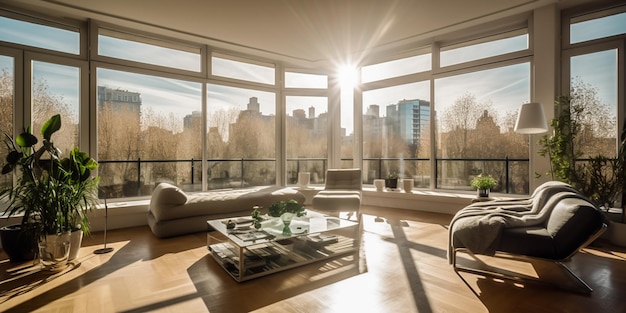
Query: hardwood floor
[[402, 267]]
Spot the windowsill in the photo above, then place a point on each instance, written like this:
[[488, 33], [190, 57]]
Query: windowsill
[[131, 212]]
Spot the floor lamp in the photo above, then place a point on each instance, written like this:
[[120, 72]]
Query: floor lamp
[[106, 218]]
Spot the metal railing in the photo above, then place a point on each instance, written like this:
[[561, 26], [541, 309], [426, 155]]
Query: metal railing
[[140, 175]]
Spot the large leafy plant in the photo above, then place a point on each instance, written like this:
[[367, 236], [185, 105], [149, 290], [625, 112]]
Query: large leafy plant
[[52, 193], [601, 178]]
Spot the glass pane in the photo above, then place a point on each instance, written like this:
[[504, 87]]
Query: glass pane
[[396, 138], [7, 90], [475, 116], [454, 55], [401, 67], [40, 36], [122, 46], [56, 90], [307, 137], [597, 28], [149, 131], [241, 137], [594, 88], [241, 70], [302, 80]]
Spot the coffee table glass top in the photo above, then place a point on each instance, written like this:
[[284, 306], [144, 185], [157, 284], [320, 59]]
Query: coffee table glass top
[[272, 228]]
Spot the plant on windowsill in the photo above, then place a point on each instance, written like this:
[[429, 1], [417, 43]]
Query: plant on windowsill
[[391, 181], [483, 183], [52, 193]]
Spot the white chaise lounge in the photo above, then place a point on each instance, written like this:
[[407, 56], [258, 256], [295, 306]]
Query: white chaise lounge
[[173, 212]]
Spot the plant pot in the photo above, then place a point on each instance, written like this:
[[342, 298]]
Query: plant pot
[[76, 239], [19, 245], [483, 193], [408, 185], [391, 183], [379, 184], [54, 251]]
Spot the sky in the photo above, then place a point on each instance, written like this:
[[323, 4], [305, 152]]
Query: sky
[[506, 87]]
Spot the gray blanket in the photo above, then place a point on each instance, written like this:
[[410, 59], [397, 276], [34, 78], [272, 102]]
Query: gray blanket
[[478, 227]]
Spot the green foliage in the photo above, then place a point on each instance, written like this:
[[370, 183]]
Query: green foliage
[[292, 206], [483, 182], [600, 178], [392, 175], [52, 193], [559, 147]]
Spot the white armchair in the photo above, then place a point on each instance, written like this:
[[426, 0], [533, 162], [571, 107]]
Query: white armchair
[[342, 192]]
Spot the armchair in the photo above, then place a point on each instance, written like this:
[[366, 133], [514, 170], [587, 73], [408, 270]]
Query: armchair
[[342, 192]]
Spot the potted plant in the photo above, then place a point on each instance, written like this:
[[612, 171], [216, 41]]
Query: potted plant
[[391, 182], [52, 192], [285, 210], [483, 183]]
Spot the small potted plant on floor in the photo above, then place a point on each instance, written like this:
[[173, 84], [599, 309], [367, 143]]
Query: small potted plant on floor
[[483, 183], [391, 182]]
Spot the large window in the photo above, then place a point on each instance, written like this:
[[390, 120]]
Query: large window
[[147, 132], [396, 132], [246, 70], [60, 38], [241, 137], [307, 124], [484, 48], [7, 90], [55, 89], [123, 46], [475, 115]]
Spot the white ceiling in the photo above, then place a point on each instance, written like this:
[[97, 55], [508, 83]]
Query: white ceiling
[[301, 30]]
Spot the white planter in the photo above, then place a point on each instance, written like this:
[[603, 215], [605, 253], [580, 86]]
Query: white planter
[[408, 185], [76, 239], [303, 179], [379, 184], [54, 251]]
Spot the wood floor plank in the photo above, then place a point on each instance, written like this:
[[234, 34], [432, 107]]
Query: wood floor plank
[[402, 267]]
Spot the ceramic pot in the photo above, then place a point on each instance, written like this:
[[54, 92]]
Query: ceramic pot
[[54, 250], [408, 185], [391, 183], [483, 193], [19, 245], [379, 184], [76, 239]]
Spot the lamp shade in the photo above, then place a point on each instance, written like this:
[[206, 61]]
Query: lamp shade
[[531, 119]]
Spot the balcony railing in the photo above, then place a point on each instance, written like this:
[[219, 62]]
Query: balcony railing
[[129, 178]]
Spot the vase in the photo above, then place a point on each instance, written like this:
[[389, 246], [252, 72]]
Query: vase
[[483, 193], [408, 185], [379, 184], [304, 178], [76, 239], [54, 251], [286, 218]]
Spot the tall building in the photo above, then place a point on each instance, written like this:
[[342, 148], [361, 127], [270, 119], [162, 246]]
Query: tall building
[[120, 101], [408, 119]]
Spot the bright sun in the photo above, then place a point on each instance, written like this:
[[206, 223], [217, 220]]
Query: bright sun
[[347, 76]]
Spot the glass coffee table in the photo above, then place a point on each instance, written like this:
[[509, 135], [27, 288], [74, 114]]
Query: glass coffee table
[[246, 252]]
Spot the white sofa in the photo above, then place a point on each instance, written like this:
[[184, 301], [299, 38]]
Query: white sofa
[[173, 212]]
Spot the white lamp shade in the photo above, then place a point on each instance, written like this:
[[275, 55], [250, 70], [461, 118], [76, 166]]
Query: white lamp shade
[[531, 119]]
